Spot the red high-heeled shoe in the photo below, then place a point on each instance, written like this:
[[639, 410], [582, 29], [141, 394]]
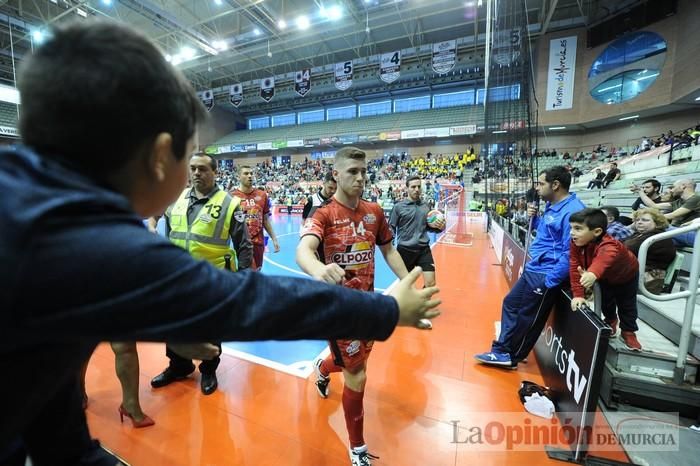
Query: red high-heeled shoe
[[145, 422]]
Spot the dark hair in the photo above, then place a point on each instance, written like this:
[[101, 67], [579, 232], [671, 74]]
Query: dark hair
[[97, 94], [614, 211], [212, 161], [592, 218], [412, 178], [328, 177], [557, 173], [655, 183]]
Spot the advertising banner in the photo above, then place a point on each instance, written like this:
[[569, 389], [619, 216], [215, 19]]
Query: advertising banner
[[444, 56], [302, 82], [267, 88], [390, 66], [560, 73], [343, 75], [236, 95]]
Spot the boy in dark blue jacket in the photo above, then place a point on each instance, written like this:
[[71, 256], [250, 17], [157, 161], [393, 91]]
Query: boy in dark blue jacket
[[108, 124], [526, 308]]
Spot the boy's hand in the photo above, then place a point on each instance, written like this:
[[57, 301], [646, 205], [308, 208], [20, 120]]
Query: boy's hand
[[414, 304], [576, 303], [587, 278]]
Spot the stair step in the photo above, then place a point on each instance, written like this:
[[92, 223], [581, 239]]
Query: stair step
[[657, 358], [666, 317]]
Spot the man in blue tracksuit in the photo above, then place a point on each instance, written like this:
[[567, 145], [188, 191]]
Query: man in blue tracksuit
[[526, 307]]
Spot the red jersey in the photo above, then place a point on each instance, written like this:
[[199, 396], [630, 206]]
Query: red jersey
[[256, 206], [348, 238]]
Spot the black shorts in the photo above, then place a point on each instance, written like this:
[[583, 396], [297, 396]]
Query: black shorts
[[422, 257]]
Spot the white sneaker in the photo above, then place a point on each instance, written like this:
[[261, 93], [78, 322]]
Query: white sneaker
[[361, 457], [322, 381]]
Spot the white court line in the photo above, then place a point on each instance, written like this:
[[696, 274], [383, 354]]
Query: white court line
[[301, 369]]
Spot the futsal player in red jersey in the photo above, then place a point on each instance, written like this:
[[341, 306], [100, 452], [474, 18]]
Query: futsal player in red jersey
[[256, 206], [347, 228]]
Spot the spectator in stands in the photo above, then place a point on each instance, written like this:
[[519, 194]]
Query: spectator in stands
[[613, 175], [596, 257], [576, 174], [649, 222], [645, 145], [615, 229], [597, 182], [684, 206], [652, 189]]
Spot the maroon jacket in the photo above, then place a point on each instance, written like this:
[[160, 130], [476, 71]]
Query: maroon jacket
[[607, 258]]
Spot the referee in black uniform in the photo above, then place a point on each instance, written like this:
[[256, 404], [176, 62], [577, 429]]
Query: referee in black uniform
[[408, 221]]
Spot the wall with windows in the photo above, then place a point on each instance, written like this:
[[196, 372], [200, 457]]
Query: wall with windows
[[679, 74], [444, 99]]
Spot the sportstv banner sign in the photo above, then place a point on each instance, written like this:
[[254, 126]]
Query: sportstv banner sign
[[207, 98], [236, 95], [390, 66], [302, 81], [267, 88], [444, 56], [343, 75], [560, 73]]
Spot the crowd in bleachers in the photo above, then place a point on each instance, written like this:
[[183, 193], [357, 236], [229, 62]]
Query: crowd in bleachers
[[294, 182]]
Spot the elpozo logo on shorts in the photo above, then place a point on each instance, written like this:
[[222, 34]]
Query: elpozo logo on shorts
[[359, 256]]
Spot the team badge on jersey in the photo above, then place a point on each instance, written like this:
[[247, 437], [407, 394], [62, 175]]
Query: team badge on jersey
[[369, 218], [239, 215]]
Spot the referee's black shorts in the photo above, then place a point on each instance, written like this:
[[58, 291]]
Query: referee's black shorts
[[420, 256]]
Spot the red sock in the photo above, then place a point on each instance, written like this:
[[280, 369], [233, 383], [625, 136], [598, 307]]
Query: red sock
[[328, 366], [354, 416]]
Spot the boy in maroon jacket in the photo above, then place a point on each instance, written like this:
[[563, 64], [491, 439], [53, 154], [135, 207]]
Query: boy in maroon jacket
[[596, 256]]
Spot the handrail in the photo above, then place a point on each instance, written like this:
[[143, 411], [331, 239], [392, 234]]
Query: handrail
[[642, 258], [691, 293]]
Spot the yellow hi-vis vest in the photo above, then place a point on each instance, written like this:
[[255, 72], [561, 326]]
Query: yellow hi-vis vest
[[208, 236]]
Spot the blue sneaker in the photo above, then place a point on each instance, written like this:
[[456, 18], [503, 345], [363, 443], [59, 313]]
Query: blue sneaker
[[493, 358]]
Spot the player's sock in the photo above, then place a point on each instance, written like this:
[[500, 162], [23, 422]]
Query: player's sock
[[354, 416], [328, 366]]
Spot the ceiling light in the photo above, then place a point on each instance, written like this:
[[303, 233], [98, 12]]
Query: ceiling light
[[499, 132], [219, 2], [81, 12], [168, 58], [470, 4], [333, 13], [697, 99], [282, 24], [303, 22], [38, 36], [220, 45], [557, 127], [629, 117], [187, 53], [256, 31], [107, 2]]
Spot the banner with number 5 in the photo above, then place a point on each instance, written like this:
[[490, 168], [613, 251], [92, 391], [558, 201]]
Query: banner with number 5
[[390, 67], [343, 75]]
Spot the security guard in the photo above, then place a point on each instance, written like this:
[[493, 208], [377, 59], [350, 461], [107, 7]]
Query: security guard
[[202, 221]]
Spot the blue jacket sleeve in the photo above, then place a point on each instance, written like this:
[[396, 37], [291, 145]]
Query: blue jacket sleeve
[[121, 283], [560, 271]]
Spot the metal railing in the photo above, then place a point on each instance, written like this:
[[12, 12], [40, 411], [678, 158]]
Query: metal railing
[[691, 293]]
